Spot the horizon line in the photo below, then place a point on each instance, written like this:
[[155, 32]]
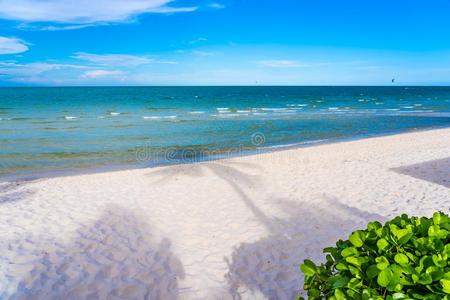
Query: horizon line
[[206, 85]]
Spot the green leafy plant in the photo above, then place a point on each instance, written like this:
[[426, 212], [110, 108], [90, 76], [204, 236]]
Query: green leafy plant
[[407, 258]]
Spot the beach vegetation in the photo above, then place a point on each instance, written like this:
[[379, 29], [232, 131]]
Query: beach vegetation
[[406, 258]]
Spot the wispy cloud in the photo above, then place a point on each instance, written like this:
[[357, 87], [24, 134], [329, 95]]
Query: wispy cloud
[[280, 63], [198, 40], [37, 72], [216, 5], [12, 45], [93, 74], [31, 27], [83, 12], [124, 60], [35, 68], [204, 53], [81, 68]]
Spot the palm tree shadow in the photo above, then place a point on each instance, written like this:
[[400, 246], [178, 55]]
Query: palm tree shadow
[[269, 267], [226, 170], [435, 171], [114, 258]]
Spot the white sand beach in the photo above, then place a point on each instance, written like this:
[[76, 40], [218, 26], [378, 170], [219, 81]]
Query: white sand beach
[[229, 229]]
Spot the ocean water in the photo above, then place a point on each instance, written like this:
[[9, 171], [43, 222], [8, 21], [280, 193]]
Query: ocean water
[[47, 129]]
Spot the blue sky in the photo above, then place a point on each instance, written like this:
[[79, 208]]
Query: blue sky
[[224, 42]]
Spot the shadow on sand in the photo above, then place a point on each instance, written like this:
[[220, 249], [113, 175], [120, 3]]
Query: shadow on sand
[[269, 267], [14, 191], [435, 171], [114, 258]]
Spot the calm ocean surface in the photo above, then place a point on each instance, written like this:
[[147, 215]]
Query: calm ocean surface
[[46, 129]]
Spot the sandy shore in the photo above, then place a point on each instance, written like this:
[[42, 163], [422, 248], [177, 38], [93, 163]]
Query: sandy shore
[[235, 228]]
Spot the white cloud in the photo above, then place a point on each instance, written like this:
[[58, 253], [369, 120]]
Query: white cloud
[[93, 74], [112, 59], [198, 40], [216, 5], [12, 45], [12, 68], [124, 60], [204, 53], [25, 26], [83, 11], [38, 72], [280, 63]]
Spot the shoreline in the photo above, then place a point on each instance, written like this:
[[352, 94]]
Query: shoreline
[[235, 228], [36, 175]]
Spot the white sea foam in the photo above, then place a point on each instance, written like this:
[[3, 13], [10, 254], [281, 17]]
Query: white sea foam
[[70, 117], [295, 144], [243, 111], [196, 112], [408, 107], [114, 113], [232, 115], [158, 117], [274, 109], [333, 108]]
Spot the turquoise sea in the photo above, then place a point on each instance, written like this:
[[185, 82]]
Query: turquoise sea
[[48, 129]]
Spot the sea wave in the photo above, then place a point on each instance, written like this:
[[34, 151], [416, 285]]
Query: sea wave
[[196, 112], [158, 117]]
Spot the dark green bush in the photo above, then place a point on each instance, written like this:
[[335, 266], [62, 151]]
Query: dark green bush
[[407, 258]]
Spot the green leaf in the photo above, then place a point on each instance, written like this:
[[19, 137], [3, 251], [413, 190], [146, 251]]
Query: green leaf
[[425, 279], [435, 272], [350, 251], [356, 261], [437, 218], [439, 261], [372, 271], [339, 294], [401, 259], [357, 238], [384, 277], [404, 235], [398, 296], [382, 262], [436, 231], [338, 281], [341, 266], [382, 244], [446, 285], [308, 268]]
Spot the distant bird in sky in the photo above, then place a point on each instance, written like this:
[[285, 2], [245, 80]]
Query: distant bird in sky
[[393, 80]]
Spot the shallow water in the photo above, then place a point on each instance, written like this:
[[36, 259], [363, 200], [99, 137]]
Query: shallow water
[[44, 129]]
